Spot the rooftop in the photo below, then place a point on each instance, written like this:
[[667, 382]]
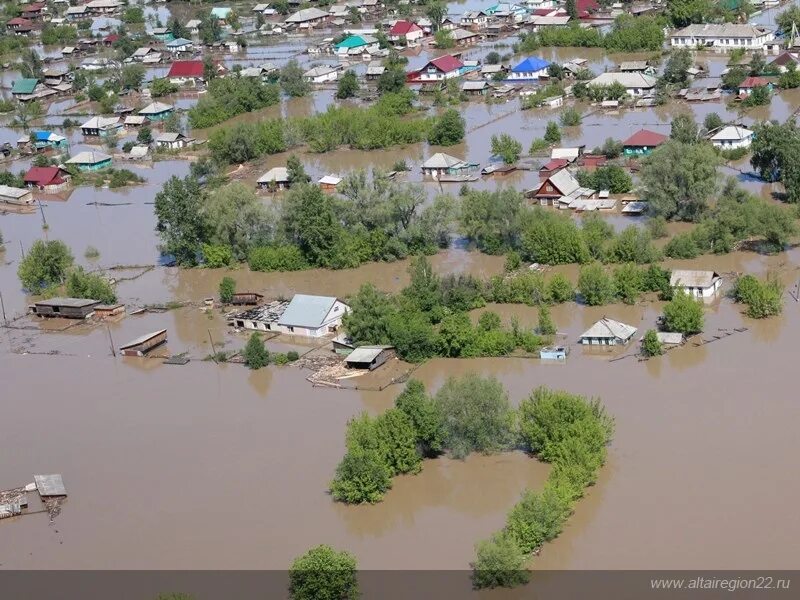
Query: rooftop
[[609, 328], [307, 311], [690, 278]]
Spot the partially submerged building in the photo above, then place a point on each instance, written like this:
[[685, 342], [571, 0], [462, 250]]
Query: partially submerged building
[[13, 195], [723, 36], [277, 178], [90, 161], [698, 284], [643, 142], [441, 164], [68, 308], [369, 357], [50, 180], [306, 315], [144, 344], [607, 332]]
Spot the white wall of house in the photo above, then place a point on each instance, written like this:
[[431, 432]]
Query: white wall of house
[[732, 144], [725, 43], [527, 75], [702, 292]]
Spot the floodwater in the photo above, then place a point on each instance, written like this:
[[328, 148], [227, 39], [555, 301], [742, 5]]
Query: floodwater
[[214, 466]]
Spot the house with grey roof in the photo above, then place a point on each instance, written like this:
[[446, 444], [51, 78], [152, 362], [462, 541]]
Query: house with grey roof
[[313, 316], [723, 36], [699, 284], [634, 82], [607, 332]]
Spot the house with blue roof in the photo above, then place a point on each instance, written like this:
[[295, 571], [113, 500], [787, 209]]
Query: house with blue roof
[[357, 44], [48, 139], [180, 45], [530, 69]]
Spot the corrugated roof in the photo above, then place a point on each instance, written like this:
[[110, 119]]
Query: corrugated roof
[[307, 311], [24, 86], [186, 68], [532, 64], [645, 137], [609, 328], [564, 182], [365, 354], [446, 63], [689, 278]]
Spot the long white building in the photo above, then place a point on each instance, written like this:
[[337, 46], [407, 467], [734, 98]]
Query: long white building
[[726, 36]]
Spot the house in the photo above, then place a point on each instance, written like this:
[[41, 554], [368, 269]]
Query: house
[[162, 34], [405, 32], [635, 84], [374, 71], [698, 284], [48, 139], [750, 83], [439, 69], [590, 162], [90, 161], [636, 66], [732, 137], [328, 183], [368, 357], [441, 164], [144, 344], [172, 140], [103, 7], [277, 178], [551, 166], [97, 126], [75, 13], [784, 59], [193, 25], [586, 8], [13, 195], [140, 54], [23, 87], [32, 11], [724, 36], [312, 316], [56, 75], [642, 143], [552, 20], [572, 153], [554, 353], [19, 25], [557, 185], [493, 71], [185, 71], [221, 13], [136, 121], [179, 45], [607, 332], [138, 152], [321, 74], [307, 17], [264, 9], [356, 44], [474, 19], [157, 111], [463, 37], [476, 88], [67, 308], [50, 180]]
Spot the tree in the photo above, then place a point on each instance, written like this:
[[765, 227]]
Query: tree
[[791, 78], [789, 17], [493, 58], [679, 179], [178, 29], [295, 171], [758, 96], [436, 11], [675, 71], [552, 134], [444, 39], [546, 325], [559, 289], [628, 283], [368, 319], [145, 135], [45, 264], [683, 314], [424, 415], [132, 76], [179, 219], [506, 147], [392, 80], [448, 129], [309, 221], [684, 129], [323, 573], [81, 284], [650, 344], [210, 30], [162, 87], [686, 12], [476, 414], [348, 85], [133, 14], [500, 563], [774, 147], [763, 298], [595, 286], [255, 352], [572, 9], [292, 81], [361, 477], [712, 121], [236, 218], [397, 437], [570, 117], [227, 288]]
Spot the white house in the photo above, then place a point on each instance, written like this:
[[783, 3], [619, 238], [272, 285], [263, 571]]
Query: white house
[[406, 32], [636, 84], [439, 69], [699, 284], [310, 316], [172, 141], [725, 36], [321, 74], [607, 332], [193, 25], [732, 137]]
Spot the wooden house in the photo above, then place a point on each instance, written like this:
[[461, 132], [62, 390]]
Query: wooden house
[[144, 344], [108, 311], [607, 332], [13, 195]]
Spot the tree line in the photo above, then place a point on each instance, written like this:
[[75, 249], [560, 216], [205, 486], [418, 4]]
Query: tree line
[[627, 34], [231, 96]]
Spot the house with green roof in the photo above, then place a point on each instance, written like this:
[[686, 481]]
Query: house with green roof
[[24, 87], [356, 44]]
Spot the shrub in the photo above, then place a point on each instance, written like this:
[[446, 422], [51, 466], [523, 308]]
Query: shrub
[[323, 573], [570, 117], [91, 252], [500, 562], [292, 356], [448, 129], [546, 325], [682, 245], [559, 289], [227, 288], [361, 477], [538, 518], [650, 344], [683, 314], [217, 255], [45, 264], [763, 298], [595, 285], [255, 353], [424, 415], [277, 258], [89, 285]]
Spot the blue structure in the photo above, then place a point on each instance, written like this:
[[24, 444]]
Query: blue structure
[[48, 139], [530, 69], [554, 353]]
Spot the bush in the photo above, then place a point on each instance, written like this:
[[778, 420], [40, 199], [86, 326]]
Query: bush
[[657, 226], [763, 298], [682, 246], [559, 289], [231, 96], [255, 353], [323, 573], [217, 255], [425, 417], [546, 325], [227, 288], [91, 252], [89, 285], [650, 344], [361, 477], [46, 264], [538, 518], [277, 258], [447, 130], [500, 562], [570, 117], [292, 356], [595, 285], [683, 314]]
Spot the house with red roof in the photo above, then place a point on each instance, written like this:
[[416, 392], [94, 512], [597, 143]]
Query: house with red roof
[[642, 143], [185, 71], [19, 25], [405, 32], [585, 8], [438, 69], [552, 166], [47, 179], [32, 11], [748, 85]]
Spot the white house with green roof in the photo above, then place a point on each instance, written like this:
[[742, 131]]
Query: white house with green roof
[[356, 44]]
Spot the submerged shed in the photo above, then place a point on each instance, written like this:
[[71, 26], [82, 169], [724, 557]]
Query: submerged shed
[[69, 308], [142, 345], [50, 485], [369, 357]]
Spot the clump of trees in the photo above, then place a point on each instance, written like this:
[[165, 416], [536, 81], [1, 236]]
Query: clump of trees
[[348, 85], [683, 314], [628, 34], [324, 573], [507, 148], [231, 96], [80, 284], [763, 298], [46, 264], [613, 178], [448, 130], [626, 283], [651, 346]]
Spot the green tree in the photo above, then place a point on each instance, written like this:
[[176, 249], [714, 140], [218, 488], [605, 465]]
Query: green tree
[[789, 17], [236, 218], [348, 85], [628, 283], [506, 147], [227, 288], [309, 221], [444, 39], [397, 437], [145, 135], [500, 563], [292, 80], [179, 219], [476, 414], [424, 415], [686, 12], [595, 285], [361, 477], [679, 179], [45, 264], [255, 352], [448, 129], [132, 76], [552, 134], [559, 289], [570, 117], [712, 121], [683, 314], [675, 71], [572, 9], [763, 298], [684, 129], [436, 11], [650, 344], [546, 325], [81, 284], [323, 573], [493, 58], [295, 171], [392, 81], [368, 320]]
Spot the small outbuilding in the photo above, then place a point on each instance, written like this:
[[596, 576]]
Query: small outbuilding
[[607, 332], [144, 344], [246, 298], [277, 178], [50, 485], [670, 338], [13, 195], [172, 140], [554, 353], [67, 308], [369, 357]]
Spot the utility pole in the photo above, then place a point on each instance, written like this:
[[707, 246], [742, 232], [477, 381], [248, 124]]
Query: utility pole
[[22, 249], [41, 210], [213, 349], [3, 307], [111, 341]]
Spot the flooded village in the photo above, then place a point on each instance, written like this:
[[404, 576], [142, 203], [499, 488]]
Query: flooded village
[[229, 231]]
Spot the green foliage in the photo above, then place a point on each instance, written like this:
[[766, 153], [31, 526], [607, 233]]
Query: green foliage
[[323, 573], [787, 18], [613, 178], [790, 79], [683, 314], [144, 135], [758, 96], [506, 147], [81, 284], [712, 121], [227, 288], [45, 264], [685, 12], [292, 81], [500, 562], [236, 218], [552, 134], [650, 344], [231, 96], [546, 325], [444, 39], [595, 285], [628, 283], [397, 437], [492, 219], [538, 518], [763, 298], [348, 85], [180, 222], [276, 258], [162, 87], [675, 71], [657, 227], [58, 34], [633, 245], [682, 246], [570, 117], [91, 252], [684, 129], [448, 129], [560, 289], [133, 14], [551, 238], [255, 352], [8, 178], [476, 414], [425, 417]]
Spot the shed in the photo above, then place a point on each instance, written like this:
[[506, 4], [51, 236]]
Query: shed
[[142, 345], [607, 332], [369, 357], [106, 311], [13, 195], [275, 178], [50, 485], [68, 308], [328, 183], [554, 353], [245, 298], [670, 338]]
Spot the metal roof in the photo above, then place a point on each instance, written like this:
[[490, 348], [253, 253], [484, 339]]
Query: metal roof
[[88, 158], [142, 339], [277, 174], [609, 328], [732, 132], [155, 108], [71, 302], [668, 337], [440, 160], [24, 86], [629, 80], [12, 192], [307, 311], [50, 485], [689, 278], [365, 354]]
